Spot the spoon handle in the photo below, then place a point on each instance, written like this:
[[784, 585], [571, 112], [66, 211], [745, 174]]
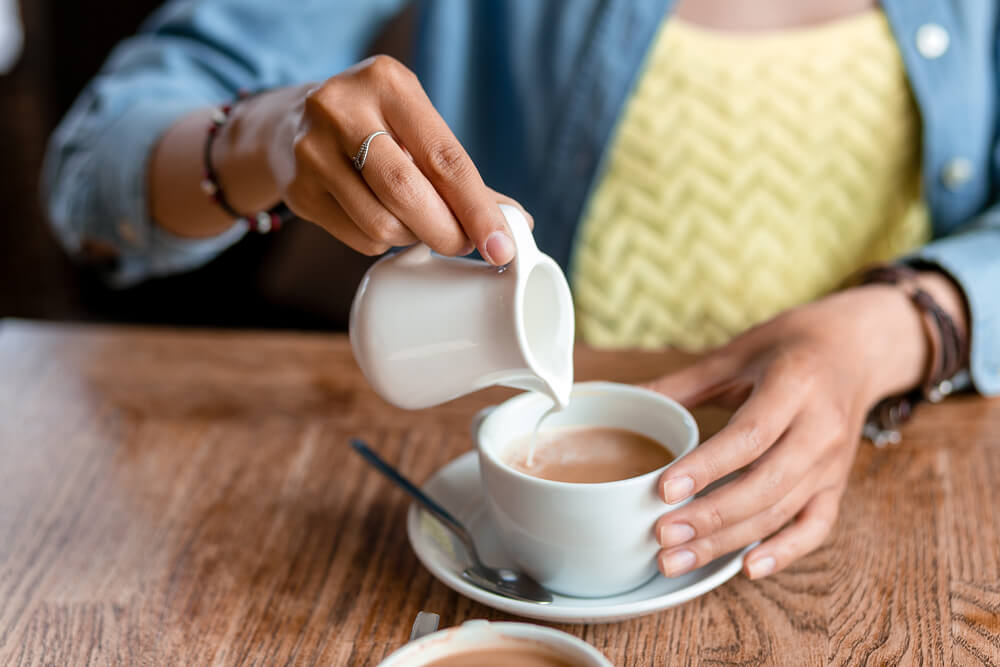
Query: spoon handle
[[443, 515]]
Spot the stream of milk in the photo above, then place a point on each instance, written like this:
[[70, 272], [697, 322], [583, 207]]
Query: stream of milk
[[529, 461]]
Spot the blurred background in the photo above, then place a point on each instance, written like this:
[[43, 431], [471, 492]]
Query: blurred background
[[254, 284]]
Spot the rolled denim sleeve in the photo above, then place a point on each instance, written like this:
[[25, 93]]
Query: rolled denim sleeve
[[190, 54], [971, 256]]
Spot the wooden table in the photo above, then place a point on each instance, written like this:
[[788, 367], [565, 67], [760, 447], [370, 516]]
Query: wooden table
[[188, 497]]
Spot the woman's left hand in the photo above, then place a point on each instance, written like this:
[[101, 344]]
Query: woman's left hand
[[804, 382]]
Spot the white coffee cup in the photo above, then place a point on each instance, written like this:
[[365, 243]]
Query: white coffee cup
[[479, 635], [583, 540]]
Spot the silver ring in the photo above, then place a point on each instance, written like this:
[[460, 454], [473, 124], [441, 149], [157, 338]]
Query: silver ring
[[362, 155]]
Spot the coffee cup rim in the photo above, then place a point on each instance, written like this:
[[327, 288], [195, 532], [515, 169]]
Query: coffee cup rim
[[533, 397], [501, 630]]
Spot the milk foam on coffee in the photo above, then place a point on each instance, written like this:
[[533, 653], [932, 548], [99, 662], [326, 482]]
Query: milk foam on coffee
[[520, 653], [586, 454]]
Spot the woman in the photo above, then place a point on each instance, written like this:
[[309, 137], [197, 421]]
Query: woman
[[698, 168]]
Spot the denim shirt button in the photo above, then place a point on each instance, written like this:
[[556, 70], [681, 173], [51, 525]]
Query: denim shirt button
[[932, 40], [956, 173]]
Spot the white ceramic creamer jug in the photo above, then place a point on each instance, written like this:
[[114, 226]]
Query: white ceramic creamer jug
[[426, 328]]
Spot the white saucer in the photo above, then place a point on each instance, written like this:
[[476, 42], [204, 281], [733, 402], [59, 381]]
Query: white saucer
[[456, 486]]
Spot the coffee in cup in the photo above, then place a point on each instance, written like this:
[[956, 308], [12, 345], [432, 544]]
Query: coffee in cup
[[520, 653], [586, 454]]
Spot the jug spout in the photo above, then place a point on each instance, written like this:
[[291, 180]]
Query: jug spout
[[545, 329]]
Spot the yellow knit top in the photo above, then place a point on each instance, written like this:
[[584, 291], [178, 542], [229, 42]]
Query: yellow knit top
[[748, 174]]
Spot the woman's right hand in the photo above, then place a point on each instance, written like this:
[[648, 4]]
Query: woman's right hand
[[417, 184]]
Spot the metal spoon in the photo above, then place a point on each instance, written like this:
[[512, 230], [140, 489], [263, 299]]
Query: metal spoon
[[500, 580]]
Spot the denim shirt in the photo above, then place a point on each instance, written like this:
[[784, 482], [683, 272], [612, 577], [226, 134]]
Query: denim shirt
[[532, 88]]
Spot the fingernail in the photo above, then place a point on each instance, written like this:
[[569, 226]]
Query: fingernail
[[499, 248], [466, 249], [678, 562], [761, 567], [677, 489], [675, 533]]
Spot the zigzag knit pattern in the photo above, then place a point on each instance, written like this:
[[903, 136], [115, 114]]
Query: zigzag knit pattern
[[748, 174]]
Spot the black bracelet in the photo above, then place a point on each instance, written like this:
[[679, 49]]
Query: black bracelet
[[262, 221], [949, 354]]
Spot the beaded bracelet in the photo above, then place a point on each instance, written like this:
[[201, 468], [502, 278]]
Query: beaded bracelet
[[949, 352], [262, 221]]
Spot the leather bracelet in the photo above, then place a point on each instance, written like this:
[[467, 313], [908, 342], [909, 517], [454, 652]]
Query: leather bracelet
[[949, 352], [262, 221]]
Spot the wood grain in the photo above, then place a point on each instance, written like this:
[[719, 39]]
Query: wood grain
[[188, 498]]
